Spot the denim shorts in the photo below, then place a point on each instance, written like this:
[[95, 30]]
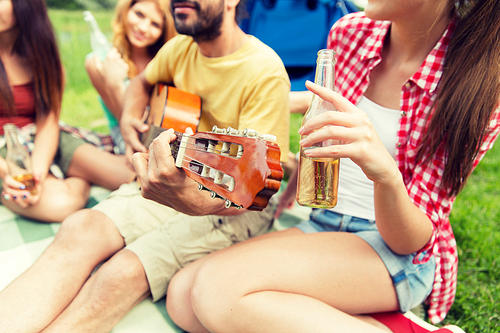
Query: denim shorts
[[413, 282]]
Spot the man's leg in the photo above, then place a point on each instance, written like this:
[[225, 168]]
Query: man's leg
[[107, 296], [39, 295]]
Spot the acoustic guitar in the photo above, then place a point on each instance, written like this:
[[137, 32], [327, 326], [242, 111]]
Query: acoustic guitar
[[170, 107], [242, 168]]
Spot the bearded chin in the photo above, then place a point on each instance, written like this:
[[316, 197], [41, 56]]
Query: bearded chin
[[199, 31]]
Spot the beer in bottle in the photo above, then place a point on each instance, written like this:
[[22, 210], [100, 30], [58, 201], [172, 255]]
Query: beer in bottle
[[317, 181], [18, 159]]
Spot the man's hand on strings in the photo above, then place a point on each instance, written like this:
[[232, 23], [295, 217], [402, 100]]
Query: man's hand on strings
[[160, 179]]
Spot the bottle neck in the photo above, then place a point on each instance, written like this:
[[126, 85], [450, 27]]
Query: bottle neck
[[10, 133], [325, 74]]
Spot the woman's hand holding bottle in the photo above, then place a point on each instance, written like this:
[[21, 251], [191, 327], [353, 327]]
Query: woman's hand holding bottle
[[17, 192], [360, 141]]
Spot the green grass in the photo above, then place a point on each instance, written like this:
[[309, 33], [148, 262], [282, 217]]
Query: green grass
[[475, 216], [80, 105], [475, 220]]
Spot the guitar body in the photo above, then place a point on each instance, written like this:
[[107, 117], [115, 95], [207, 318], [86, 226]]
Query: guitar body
[[170, 107], [249, 164]]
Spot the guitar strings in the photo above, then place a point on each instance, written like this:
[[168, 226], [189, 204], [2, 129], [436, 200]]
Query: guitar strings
[[189, 146]]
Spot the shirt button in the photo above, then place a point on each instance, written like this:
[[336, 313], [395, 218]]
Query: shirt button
[[407, 85], [399, 145], [434, 300], [403, 113]]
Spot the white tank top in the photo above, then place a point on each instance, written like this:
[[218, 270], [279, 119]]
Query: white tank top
[[355, 196]]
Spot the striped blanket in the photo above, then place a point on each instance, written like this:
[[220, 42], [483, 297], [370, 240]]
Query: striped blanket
[[23, 240]]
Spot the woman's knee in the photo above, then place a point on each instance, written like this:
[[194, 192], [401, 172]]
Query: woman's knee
[[212, 296], [178, 303], [61, 198]]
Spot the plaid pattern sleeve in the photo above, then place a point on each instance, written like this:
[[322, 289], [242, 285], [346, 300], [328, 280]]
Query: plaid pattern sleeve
[[100, 140], [358, 43]]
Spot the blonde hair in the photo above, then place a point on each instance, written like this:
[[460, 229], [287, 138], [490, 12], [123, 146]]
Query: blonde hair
[[120, 40]]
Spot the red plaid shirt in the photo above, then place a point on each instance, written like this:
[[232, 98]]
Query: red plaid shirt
[[358, 43]]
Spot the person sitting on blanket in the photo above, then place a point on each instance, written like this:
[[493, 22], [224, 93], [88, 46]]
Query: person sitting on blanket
[[418, 90], [140, 28], [242, 84], [31, 88]]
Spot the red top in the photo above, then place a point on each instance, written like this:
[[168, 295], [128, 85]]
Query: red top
[[24, 105], [358, 42]]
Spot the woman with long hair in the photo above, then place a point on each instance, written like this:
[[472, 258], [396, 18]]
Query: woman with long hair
[[31, 88], [418, 89], [140, 28]]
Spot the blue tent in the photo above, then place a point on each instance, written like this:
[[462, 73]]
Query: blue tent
[[296, 30]]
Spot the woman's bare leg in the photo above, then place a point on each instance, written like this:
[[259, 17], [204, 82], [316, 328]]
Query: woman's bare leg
[[59, 199], [285, 281], [100, 167]]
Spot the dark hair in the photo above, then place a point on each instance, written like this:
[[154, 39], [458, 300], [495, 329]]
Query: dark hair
[[37, 44], [6, 98], [468, 92]]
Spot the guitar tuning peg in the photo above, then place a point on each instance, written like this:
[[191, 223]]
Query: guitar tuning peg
[[229, 204], [214, 195], [233, 131], [250, 133], [201, 187], [268, 137], [217, 130]]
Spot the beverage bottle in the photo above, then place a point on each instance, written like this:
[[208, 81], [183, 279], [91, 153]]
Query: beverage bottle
[[98, 41], [18, 159], [317, 182]]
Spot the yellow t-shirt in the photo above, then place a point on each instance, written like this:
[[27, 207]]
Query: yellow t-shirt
[[246, 89]]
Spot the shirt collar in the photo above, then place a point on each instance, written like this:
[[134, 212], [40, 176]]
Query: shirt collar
[[431, 70]]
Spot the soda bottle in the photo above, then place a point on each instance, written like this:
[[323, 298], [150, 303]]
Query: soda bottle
[[98, 41], [18, 159], [317, 182]]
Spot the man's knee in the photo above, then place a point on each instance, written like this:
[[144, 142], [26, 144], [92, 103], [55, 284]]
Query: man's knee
[[91, 231], [124, 272]]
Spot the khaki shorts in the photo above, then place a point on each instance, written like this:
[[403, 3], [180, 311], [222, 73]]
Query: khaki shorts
[[165, 240]]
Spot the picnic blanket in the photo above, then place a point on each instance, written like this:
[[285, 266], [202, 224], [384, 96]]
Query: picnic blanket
[[22, 241]]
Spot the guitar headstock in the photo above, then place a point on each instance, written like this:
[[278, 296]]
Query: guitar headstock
[[243, 168]]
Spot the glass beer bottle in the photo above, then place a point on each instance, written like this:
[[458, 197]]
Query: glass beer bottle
[[98, 41], [18, 159], [317, 182]]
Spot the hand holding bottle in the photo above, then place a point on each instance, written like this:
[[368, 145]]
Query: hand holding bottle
[[20, 184], [113, 69], [352, 126], [17, 192]]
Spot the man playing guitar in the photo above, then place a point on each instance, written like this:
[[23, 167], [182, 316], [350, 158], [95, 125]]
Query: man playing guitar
[[144, 242]]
